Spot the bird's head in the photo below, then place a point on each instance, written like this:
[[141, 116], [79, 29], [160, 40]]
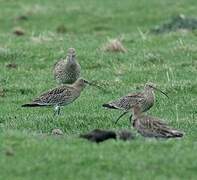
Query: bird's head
[[81, 83], [152, 87], [71, 53]]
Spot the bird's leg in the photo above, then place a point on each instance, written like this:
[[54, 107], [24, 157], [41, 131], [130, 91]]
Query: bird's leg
[[57, 110], [121, 116], [130, 119], [54, 113]]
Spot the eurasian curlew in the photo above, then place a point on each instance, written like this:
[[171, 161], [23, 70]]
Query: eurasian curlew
[[67, 71], [149, 126], [60, 96], [145, 100]]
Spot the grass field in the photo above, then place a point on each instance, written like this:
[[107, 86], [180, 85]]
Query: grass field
[[28, 151]]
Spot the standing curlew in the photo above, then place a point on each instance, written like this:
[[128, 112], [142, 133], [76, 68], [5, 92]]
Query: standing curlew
[[145, 99], [67, 71], [152, 127], [60, 96]]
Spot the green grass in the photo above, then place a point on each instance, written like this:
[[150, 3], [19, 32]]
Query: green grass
[[169, 60]]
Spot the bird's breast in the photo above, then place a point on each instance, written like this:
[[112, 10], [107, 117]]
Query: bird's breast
[[148, 103]]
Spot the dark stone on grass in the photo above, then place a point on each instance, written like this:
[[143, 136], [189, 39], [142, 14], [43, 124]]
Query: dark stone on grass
[[22, 18], [9, 152], [125, 135], [177, 23], [11, 65], [101, 28], [99, 135], [61, 29]]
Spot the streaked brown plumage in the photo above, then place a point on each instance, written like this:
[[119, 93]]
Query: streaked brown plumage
[[67, 71], [100, 135], [60, 96], [149, 126], [145, 100]]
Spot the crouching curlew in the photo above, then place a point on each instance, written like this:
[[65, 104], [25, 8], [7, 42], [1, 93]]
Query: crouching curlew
[[149, 126]]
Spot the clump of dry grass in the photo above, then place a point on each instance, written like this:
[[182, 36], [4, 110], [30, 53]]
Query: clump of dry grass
[[114, 45]]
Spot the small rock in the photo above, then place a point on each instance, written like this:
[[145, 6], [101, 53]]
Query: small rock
[[57, 132], [9, 152]]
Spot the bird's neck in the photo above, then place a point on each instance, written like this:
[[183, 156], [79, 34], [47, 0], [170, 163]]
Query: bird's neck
[[136, 112], [78, 87], [149, 91], [70, 59], [150, 95]]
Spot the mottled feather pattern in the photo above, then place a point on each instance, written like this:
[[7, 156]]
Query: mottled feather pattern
[[61, 95], [126, 102], [58, 62], [154, 127], [67, 71]]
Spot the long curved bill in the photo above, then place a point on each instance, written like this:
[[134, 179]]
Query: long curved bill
[[95, 85], [161, 91]]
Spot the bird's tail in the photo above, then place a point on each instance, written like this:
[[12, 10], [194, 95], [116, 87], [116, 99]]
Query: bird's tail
[[176, 133], [110, 106], [32, 105]]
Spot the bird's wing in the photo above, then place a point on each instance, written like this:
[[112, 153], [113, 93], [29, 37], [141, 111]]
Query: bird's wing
[[58, 62], [137, 98], [136, 95], [155, 127], [128, 101], [56, 96], [157, 121]]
